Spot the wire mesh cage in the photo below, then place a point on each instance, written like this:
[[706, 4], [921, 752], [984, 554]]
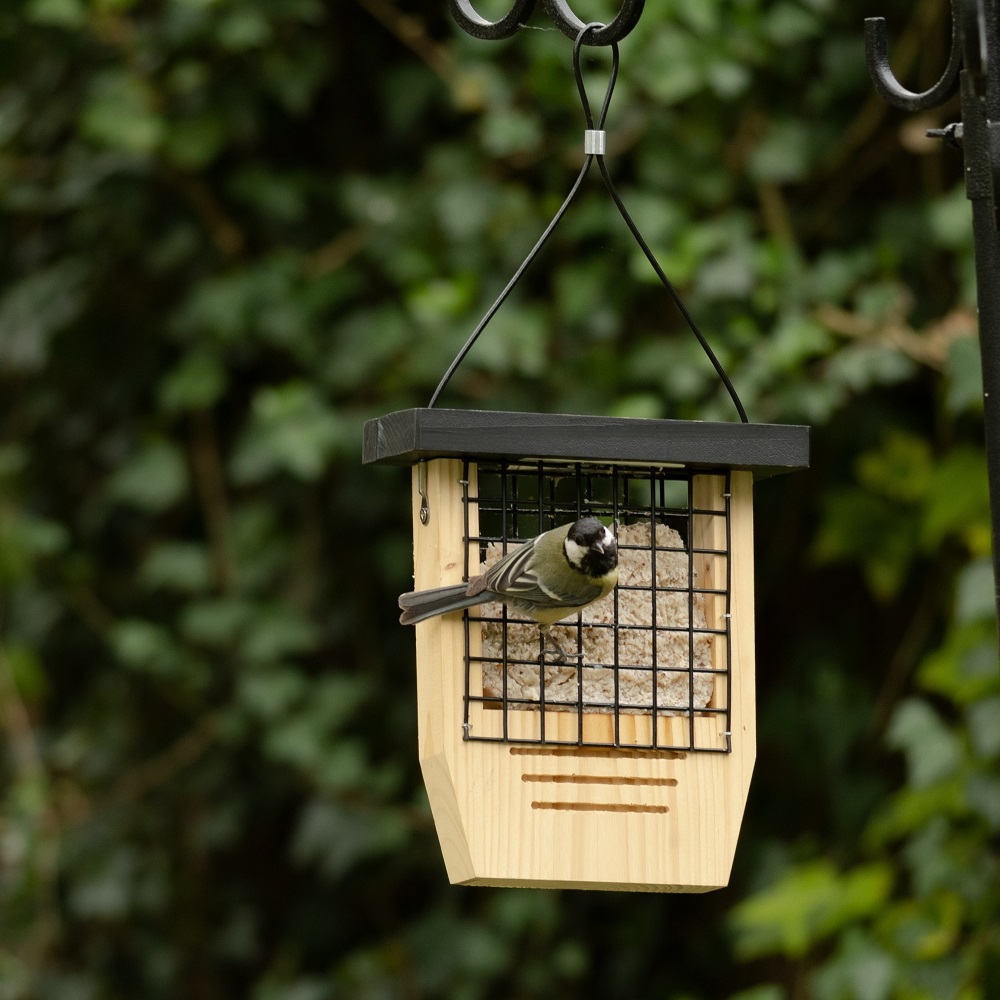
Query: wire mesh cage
[[649, 665], [624, 760]]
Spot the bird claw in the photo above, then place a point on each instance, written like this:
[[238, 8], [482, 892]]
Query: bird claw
[[559, 656]]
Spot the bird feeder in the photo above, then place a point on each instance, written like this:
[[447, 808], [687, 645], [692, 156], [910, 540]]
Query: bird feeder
[[627, 766]]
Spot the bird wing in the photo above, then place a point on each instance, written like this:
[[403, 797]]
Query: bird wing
[[513, 578]]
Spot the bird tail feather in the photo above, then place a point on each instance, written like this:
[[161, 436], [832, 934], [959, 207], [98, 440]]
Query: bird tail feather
[[421, 604]]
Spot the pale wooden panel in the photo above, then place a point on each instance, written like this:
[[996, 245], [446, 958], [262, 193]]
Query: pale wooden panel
[[741, 601], [438, 560]]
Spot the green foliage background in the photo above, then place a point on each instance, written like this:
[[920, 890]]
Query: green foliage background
[[233, 230]]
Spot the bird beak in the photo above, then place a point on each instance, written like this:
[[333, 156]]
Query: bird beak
[[607, 542]]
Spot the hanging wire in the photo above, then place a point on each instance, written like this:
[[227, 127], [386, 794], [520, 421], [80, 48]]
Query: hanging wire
[[594, 149], [491, 312]]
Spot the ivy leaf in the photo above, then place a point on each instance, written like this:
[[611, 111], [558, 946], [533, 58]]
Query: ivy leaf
[[179, 566], [931, 750], [808, 903], [34, 309], [291, 430], [119, 113], [958, 500], [334, 839], [152, 480]]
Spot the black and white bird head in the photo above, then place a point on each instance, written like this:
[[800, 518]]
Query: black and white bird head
[[591, 548]]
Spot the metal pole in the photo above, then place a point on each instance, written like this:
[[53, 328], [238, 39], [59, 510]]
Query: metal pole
[[974, 66], [978, 112], [988, 292]]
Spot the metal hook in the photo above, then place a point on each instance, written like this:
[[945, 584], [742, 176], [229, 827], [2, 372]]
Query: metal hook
[[425, 508], [570, 25], [473, 23], [877, 56]]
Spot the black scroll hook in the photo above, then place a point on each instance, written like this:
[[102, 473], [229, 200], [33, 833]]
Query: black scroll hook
[[473, 23], [969, 65], [968, 51], [892, 91]]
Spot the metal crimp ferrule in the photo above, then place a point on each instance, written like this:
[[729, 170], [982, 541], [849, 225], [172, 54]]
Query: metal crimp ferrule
[[595, 141]]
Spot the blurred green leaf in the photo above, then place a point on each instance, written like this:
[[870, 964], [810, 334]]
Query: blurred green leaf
[[24, 540], [984, 727], [67, 14], [216, 621], [783, 155], [292, 430], [958, 499], [335, 839], [900, 469], [932, 753], [34, 309], [146, 647], [516, 341], [764, 992], [807, 903], [983, 794], [243, 28], [860, 970], [272, 693], [195, 383], [120, 113], [789, 23], [511, 131], [181, 566], [26, 672], [153, 479], [195, 142], [278, 632], [964, 667], [950, 218], [975, 597], [860, 367], [860, 527]]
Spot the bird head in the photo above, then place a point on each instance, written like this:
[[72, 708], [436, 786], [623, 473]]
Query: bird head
[[591, 547]]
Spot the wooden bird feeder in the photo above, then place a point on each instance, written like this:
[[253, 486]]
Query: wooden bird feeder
[[628, 767]]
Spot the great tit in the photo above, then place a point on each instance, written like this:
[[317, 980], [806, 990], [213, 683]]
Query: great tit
[[546, 579]]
